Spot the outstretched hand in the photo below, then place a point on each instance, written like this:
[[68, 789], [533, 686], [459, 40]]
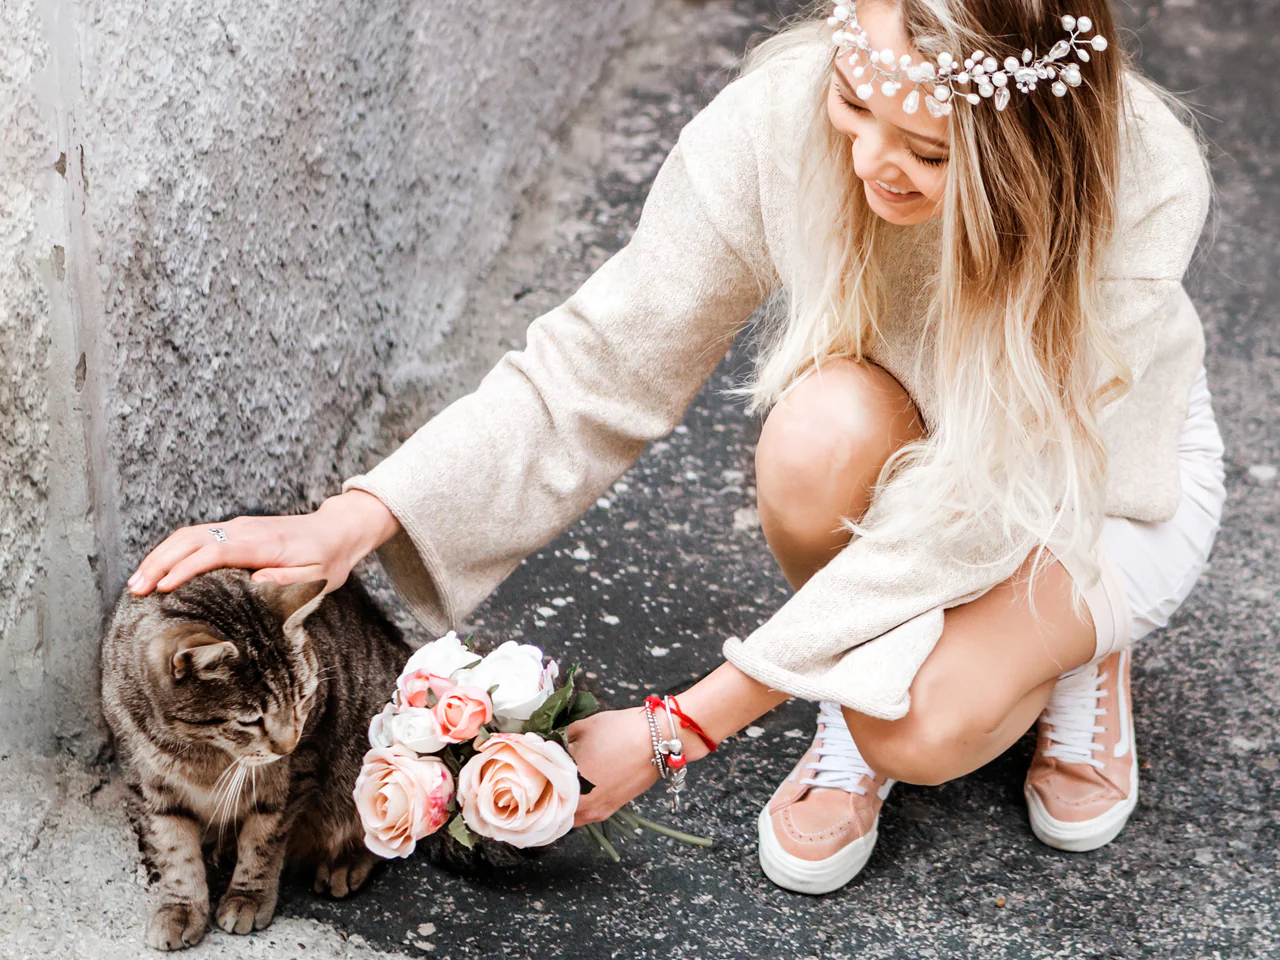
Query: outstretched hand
[[324, 545]]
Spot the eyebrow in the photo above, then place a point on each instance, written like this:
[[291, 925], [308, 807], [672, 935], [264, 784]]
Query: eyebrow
[[938, 144]]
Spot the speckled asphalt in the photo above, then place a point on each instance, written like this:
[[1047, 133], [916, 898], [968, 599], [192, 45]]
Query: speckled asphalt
[[648, 584]]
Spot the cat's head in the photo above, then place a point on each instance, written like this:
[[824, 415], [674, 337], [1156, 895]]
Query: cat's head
[[230, 665]]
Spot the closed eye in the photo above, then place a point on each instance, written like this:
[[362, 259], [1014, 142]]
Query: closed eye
[[256, 722], [210, 722], [855, 107], [859, 108]]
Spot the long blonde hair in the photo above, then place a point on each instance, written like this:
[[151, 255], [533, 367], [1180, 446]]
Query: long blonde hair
[[1021, 362]]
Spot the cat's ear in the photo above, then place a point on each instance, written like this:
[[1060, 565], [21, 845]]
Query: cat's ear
[[200, 655], [286, 600]]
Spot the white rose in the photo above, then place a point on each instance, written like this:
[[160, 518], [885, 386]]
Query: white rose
[[418, 729], [441, 658], [523, 683], [379, 728]]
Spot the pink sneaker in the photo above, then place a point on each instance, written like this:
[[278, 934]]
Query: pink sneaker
[[819, 829], [1083, 781]]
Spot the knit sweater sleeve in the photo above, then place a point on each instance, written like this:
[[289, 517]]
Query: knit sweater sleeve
[[503, 470]]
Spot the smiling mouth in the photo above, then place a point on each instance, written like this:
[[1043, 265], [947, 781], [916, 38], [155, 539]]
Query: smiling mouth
[[901, 193]]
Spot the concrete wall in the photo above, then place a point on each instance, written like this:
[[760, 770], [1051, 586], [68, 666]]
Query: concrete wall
[[232, 234]]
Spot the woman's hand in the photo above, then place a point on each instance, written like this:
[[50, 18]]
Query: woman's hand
[[324, 545], [613, 750]]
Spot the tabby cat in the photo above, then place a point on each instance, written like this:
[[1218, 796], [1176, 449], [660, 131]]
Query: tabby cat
[[240, 713]]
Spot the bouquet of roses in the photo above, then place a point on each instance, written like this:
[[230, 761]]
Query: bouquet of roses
[[477, 743]]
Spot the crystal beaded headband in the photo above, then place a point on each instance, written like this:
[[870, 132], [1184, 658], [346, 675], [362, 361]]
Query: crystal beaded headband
[[942, 80]]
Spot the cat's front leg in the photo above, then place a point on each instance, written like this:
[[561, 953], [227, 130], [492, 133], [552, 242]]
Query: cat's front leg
[[250, 901], [172, 840]]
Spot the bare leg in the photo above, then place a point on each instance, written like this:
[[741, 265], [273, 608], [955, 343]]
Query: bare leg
[[993, 670], [984, 684], [819, 455]]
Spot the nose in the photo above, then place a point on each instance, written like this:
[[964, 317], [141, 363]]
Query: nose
[[871, 158], [282, 739]]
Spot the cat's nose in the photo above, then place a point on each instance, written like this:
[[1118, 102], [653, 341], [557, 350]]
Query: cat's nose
[[282, 742]]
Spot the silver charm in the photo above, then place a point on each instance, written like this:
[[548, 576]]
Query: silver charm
[[219, 534]]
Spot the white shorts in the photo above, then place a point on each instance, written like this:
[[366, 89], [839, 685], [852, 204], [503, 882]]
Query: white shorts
[[1149, 569]]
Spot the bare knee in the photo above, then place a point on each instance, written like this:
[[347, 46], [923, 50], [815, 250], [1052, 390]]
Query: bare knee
[[825, 443], [928, 747]]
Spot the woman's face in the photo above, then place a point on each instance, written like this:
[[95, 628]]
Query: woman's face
[[901, 158]]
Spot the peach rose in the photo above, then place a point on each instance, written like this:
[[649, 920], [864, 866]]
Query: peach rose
[[401, 798], [519, 789], [461, 712]]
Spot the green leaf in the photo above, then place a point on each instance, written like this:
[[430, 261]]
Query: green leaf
[[481, 737], [543, 720], [584, 705], [493, 689], [451, 760], [459, 830]]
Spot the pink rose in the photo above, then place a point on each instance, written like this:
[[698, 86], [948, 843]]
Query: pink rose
[[461, 712], [519, 789], [401, 798], [413, 687]]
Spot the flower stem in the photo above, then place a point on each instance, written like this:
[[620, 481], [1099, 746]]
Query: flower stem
[[598, 836], [635, 820]]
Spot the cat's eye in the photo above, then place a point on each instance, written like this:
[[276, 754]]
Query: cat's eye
[[251, 722]]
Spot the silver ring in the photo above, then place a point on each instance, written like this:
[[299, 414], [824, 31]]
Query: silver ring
[[218, 534]]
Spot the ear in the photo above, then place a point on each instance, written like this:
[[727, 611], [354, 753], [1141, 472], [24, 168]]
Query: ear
[[287, 600], [203, 656]]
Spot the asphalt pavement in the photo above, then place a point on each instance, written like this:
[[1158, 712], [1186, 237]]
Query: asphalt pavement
[[646, 586]]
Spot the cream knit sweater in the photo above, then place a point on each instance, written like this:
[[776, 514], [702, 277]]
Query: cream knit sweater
[[502, 471]]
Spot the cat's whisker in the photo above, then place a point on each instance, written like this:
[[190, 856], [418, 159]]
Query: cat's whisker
[[228, 795], [233, 792]]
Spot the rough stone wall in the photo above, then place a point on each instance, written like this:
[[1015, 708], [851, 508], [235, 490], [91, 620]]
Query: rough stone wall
[[268, 215], [24, 339]]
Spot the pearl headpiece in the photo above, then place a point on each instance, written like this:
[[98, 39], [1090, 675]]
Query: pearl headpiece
[[941, 81]]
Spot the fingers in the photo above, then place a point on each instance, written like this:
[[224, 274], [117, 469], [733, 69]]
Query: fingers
[[254, 543], [159, 562], [204, 559]]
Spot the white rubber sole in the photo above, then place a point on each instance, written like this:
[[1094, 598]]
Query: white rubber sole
[[810, 876], [1085, 835]]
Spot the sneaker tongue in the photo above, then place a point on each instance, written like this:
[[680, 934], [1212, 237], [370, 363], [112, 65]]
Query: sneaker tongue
[[1072, 717]]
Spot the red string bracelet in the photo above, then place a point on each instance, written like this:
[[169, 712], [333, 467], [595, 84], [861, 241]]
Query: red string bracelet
[[689, 723]]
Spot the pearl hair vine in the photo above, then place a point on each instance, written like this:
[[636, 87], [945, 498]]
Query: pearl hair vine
[[941, 80]]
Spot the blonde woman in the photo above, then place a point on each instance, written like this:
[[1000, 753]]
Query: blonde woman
[[989, 460]]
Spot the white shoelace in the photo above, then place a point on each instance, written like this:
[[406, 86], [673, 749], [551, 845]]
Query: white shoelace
[[839, 764], [1072, 715]]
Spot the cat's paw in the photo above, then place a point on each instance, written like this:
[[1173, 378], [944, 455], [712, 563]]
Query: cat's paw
[[242, 911], [176, 926], [344, 875]]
